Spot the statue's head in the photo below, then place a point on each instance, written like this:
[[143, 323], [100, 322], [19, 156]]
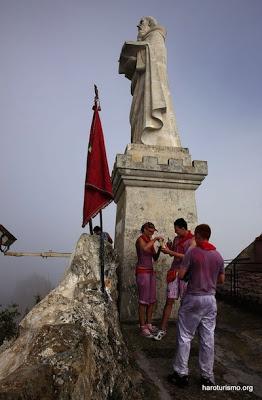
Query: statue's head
[[145, 25]]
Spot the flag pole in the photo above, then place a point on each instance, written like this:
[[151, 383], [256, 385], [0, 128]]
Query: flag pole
[[91, 227], [101, 220], [102, 254], [96, 100]]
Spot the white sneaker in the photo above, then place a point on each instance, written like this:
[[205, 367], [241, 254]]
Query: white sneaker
[[146, 333], [159, 335]]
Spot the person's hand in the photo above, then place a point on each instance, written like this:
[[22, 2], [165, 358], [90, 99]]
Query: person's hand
[[158, 238], [169, 244], [166, 250]]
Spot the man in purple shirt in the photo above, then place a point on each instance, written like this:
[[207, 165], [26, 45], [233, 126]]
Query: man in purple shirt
[[205, 268]]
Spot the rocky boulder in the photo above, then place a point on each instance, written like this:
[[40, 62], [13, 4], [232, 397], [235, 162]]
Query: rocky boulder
[[70, 344]]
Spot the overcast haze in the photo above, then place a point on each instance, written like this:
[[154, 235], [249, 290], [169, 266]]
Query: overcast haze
[[53, 51]]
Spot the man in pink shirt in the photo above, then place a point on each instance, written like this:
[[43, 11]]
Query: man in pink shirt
[[175, 287], [205, 268]]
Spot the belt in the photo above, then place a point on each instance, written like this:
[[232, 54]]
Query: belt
[[144, 270]]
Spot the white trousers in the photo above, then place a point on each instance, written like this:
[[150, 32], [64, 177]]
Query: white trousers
[[196, 313]]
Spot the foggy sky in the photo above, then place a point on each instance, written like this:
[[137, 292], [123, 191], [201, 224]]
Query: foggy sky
[[53, 51]]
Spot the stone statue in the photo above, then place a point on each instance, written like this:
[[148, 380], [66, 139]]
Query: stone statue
[[144, 62]]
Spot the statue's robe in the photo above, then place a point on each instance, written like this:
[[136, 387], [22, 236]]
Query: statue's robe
[[152, 116]]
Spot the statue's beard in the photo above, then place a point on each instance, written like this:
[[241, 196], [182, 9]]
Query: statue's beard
[[140, 35]]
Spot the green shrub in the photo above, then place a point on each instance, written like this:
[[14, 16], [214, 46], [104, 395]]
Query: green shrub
[[8, 322]]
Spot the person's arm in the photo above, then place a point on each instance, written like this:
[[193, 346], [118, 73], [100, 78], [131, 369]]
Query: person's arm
[[221, 273], [172, 253], [221, 278], [186, 262], [147, 246], [184, 267], [157, 254]]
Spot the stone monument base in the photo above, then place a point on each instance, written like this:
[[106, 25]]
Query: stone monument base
[[151, 183]]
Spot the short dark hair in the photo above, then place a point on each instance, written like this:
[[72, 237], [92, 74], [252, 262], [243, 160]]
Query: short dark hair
[[97, 229], [204, 231], [148, 225], [181, 223]]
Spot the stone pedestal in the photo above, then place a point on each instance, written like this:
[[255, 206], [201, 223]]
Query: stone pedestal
[[157, 184]]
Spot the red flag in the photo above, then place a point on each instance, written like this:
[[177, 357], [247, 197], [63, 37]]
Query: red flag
[[98, 186]]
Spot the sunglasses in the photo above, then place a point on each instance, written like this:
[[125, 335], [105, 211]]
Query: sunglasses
[[150, 229]]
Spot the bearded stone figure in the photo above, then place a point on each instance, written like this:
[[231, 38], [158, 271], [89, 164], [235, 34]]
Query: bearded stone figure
[[144, 62]]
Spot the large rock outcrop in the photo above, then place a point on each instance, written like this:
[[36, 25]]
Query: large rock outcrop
[[70, 344]]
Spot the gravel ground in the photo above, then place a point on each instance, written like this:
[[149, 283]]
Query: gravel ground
[[238, 358]]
